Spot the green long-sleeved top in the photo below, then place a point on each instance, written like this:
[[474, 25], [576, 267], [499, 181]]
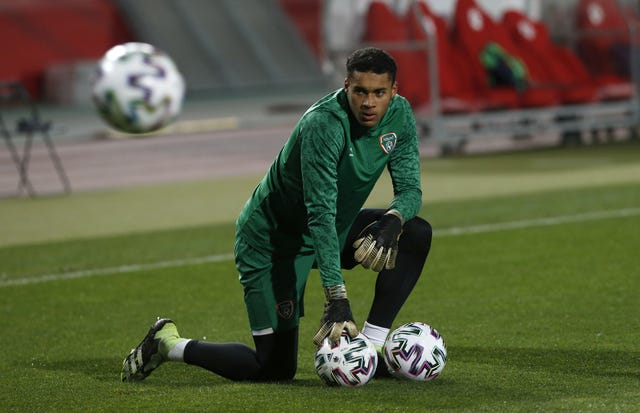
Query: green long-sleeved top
[[322, 177]]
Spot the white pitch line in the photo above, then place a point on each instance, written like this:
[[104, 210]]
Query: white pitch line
[[116, 270], [537, 222], [447, 232]]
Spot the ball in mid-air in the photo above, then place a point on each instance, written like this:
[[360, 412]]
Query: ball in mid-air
[[138, 88]]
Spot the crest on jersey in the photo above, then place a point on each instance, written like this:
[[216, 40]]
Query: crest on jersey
[[388, 142], [285, 309]]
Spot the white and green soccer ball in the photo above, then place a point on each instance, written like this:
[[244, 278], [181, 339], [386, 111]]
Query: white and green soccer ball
[[138, 88], [350, 363], [415, 351]]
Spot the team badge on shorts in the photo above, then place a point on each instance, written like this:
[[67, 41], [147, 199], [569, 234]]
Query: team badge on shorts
[[285, 309], [388, 142]]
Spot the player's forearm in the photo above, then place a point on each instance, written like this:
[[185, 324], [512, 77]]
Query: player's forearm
[[327, 248], [407, 202], [406, 181], [404, 167]]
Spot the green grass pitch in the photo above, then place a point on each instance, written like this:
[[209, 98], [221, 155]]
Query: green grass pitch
[[533, 280]]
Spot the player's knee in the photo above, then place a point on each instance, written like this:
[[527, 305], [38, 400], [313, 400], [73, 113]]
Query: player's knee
[[275, 372], [277, 355], [416, 237], [285, 373]]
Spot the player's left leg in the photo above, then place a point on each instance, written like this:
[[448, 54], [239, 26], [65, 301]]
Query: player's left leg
[[273, 296], [274, 358], [273, 290], [392, 286]]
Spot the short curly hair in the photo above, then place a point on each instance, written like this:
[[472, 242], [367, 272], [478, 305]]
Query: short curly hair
[[372, 59]]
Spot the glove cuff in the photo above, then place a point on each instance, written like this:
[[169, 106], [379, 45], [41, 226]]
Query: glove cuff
[[335, 292], [396, 214]]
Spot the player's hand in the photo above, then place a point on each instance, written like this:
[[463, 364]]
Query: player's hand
[[377, 244], [337, 316]]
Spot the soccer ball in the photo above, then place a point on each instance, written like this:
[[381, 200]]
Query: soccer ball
[[137, 88], [351, 362], [415, 351]]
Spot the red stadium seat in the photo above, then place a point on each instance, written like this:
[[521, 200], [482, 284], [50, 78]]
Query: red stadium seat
[[455, 86], [561, 68], [306, 16], [384, 27], [473, 31], [605, 45], [36, 34]]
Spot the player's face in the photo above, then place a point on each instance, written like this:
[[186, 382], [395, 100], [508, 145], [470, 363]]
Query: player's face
[[369, 96]]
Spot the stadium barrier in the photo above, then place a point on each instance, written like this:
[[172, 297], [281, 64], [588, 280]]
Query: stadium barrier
[[461, 75]]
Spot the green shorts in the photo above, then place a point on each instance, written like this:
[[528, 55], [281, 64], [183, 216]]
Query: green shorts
[[273, 288]]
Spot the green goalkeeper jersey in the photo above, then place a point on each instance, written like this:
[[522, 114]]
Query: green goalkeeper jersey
[[322, 177]]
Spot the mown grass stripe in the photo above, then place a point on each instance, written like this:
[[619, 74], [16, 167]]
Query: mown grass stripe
[[446, 232], [116, 270]]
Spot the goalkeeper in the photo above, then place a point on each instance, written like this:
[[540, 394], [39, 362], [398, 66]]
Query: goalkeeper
[[307, 212]]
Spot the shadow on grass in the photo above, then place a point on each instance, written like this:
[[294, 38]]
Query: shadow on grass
[[474, 376], [108, 370], [102, 369], [597, 362]]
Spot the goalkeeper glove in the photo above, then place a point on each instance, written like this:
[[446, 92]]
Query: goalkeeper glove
[[377, 244], [337, 316]]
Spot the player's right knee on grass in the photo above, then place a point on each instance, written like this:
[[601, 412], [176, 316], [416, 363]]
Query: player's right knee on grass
[[277, 355], [278, 371]]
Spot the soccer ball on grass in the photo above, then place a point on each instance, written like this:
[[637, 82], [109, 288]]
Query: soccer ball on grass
[[351, 362], [415, 351], [137, 88]]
